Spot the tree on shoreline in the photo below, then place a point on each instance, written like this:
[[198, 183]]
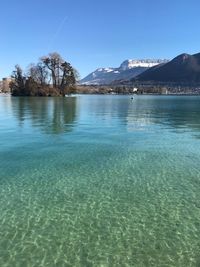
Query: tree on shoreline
[[18, 82], [38, 73], [49, 77], [62, 73]]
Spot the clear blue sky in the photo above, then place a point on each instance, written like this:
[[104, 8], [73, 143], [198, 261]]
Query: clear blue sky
[[96, 33]]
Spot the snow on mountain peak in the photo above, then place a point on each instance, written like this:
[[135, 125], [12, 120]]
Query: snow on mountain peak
[[127, 70], [105, 70], [145, 63]]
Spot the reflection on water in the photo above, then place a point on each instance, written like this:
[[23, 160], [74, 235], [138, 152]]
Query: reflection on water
[[99, 181], [143, 111], [51, 115], [59, 115]]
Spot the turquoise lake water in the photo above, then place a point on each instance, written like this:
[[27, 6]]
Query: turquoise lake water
[[100, 181]]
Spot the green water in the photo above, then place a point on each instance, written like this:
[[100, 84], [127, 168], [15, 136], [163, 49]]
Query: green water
[[100, 181]]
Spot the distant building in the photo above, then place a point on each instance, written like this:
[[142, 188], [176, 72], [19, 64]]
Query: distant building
[[4, 85], [1, 84]]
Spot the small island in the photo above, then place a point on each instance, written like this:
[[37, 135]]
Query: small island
[[51, 76]]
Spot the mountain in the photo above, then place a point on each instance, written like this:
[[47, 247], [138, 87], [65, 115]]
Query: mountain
[[127, 70], [184, 68]]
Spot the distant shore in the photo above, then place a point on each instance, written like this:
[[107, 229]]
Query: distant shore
[[116, 94], [138, 89], [130, 90]]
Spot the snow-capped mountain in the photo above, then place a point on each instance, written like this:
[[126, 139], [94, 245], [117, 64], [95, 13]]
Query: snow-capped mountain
[[145, 63], [127, 70]]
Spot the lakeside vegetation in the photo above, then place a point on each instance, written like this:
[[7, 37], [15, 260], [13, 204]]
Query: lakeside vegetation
[[51, 76]]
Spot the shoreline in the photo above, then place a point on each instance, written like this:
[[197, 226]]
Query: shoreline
[[107, 94]]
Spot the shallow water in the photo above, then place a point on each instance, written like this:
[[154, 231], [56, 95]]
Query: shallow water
[[100, 181]]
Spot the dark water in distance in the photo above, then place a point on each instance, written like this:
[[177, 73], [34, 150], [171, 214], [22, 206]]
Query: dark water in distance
[[100, 181]]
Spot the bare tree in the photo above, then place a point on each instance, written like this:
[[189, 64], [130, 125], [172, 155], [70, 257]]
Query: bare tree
[[53, 62], [62, 73], [39, 73]]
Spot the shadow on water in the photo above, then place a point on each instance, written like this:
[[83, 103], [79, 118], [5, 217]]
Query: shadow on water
[[50, 115]]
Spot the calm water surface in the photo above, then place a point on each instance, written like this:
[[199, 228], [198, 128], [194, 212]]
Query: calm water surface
[[100, 181]]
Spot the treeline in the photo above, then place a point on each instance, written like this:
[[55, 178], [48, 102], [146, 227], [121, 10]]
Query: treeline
[[51, 76]]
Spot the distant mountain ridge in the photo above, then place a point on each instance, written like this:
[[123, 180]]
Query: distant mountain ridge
[[127, 70], [184, 68]]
